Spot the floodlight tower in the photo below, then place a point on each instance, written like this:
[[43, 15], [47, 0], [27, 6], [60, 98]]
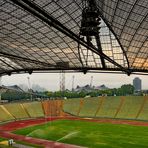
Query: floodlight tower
[[29, 88], [73, 79], [91, 81], [0, 85], [62, 81], [0, 81]]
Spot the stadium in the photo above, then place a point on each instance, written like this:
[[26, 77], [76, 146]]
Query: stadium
[[68, 36]]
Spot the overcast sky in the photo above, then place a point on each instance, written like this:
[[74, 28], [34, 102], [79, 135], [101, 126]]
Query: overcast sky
[[50, 81]]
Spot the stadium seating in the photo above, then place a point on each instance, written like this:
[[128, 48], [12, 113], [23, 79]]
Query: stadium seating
[[4, 114], [34, 109], [109, 107], [46, 108], [52, 107], [126, 107], [144, 111], [16, 110], [89, 107], [130, 107], [71, 106]]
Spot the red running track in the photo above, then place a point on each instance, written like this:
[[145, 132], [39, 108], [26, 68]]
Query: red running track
[[6, 129]]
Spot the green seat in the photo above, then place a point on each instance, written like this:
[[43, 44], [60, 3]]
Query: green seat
[[4, 114], [16, 110], [71, 106], [130, 107], [109, 107], [34, 109], [89, 107]]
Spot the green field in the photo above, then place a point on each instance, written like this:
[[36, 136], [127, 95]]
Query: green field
[[90, 134]]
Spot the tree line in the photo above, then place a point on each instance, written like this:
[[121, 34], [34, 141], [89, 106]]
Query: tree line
[[124, 90]]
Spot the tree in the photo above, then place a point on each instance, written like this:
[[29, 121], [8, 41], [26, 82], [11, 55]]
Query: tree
[[127, 89]]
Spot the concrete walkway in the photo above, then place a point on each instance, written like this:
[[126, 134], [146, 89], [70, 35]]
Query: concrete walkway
[[21, 146]]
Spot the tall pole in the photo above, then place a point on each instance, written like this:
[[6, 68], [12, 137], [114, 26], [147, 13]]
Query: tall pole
[[62, 82], [91, 81], [29, 88], [73, 79], [0, 85], [0, 80]]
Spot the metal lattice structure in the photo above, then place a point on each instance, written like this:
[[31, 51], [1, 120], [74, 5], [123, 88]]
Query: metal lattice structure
[[44, 35], [62, 81]]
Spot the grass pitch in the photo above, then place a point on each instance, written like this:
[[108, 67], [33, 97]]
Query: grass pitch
[[90, 134]]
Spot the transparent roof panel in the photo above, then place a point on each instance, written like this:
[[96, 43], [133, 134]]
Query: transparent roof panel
[[28, 42]]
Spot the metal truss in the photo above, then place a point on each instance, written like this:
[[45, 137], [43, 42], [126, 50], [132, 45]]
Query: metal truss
[[45, 36], [41, 14]]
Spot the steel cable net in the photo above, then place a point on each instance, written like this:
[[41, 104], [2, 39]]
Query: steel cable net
[[28, 43]]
